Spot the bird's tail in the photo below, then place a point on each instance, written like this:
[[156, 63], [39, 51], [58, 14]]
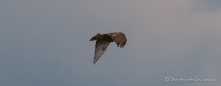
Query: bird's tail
[[95, 37]]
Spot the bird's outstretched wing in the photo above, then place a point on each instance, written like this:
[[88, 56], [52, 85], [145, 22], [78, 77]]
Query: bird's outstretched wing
[[119, 38], [100, 48]]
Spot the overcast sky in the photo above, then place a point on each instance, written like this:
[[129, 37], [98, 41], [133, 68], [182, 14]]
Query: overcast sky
[[46, 42]]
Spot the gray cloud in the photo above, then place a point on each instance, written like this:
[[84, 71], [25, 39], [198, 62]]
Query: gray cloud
[[47, 43], [206, 5]]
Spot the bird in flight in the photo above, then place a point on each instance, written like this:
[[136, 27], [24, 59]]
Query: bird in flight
[[103, 40]]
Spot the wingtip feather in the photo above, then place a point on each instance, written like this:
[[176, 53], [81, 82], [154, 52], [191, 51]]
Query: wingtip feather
[[94, 62]]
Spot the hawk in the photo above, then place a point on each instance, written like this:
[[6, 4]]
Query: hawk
[[103, 40]]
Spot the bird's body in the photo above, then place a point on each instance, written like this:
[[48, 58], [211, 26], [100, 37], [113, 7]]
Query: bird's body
[[103, 40], [103, 37]]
